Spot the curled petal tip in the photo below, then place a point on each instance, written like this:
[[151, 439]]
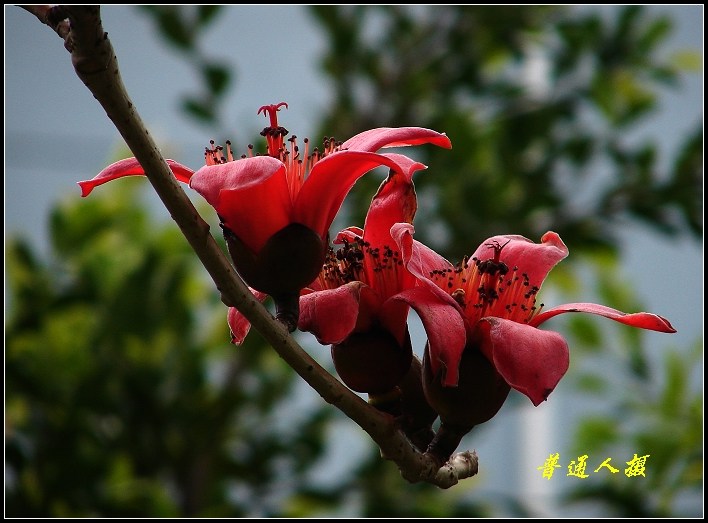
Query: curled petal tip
[[86, 188], [667, 325], [646, 320]]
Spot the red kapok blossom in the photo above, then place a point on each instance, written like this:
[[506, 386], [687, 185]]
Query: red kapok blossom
[[276, 209], [364, 286], [496, 291]]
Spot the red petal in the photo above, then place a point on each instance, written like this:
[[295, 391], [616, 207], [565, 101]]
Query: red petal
[[394, 202], [333, 314], [534, 259], [251, 195], [350, 234], [419, 258], [444, 327], [130, 167], [238, 323], [393, 315], [405, 165], [374, 139], [530, 360], [210, 180], [641, 320], [328, 183]]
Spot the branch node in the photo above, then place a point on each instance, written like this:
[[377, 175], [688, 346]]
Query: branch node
[[55, 15]]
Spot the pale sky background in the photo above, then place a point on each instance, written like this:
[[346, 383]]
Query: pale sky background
[[57, 134]]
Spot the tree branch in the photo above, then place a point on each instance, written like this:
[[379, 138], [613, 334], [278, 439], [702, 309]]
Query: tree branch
[[96, 65], [53, 17]]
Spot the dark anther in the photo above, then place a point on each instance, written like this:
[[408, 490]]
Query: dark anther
[[274, 131], [492, 267]]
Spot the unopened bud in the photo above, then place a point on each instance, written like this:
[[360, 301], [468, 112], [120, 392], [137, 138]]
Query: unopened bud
[[372, 362]]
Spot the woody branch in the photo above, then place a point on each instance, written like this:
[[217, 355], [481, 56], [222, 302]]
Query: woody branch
[[96, 65]]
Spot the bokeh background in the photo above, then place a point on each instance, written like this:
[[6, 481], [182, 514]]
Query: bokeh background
[[123, 397]]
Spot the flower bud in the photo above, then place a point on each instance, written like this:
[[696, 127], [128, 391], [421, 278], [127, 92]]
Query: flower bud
[[372, 361], [290, 260]]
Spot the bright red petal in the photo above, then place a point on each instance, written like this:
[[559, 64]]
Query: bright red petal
[[420, 261], [130, 167], [418, 258], [333, 314], [210, 180], [238, 323], [534, 259], [405, 165], [530, 360], [350, 234], [251, 195], [641, 320], [328, 183], [444, 327], [374, 139], [394, 202]]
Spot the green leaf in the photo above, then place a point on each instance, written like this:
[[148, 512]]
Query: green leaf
[[207, 13], [172, 25], [217, 78], [198, 109]]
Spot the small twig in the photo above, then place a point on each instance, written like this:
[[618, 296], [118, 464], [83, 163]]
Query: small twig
[[96, 64], [53, 17]]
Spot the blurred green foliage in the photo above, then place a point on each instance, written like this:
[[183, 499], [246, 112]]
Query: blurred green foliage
[[124, 397], [664, 422], [653, 405]]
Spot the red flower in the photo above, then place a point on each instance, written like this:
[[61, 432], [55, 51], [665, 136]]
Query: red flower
[[276, 209], [364, 287], [360, 302], [496, 292]]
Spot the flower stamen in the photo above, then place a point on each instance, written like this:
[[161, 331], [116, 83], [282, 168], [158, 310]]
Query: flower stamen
[[489, 288], [357, 260], [297, 164], [275, 133]]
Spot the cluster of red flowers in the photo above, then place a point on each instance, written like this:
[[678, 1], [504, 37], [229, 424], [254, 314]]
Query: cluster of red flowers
[[481, 316]]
